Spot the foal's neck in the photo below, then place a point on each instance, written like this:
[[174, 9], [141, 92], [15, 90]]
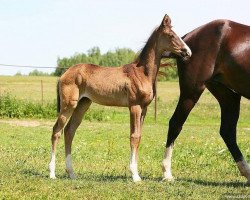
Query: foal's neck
[[149, 60]]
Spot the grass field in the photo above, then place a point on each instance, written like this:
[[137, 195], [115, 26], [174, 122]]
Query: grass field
[[202, 166]]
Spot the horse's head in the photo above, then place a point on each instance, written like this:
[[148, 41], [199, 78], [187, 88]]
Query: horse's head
[[169, 41]]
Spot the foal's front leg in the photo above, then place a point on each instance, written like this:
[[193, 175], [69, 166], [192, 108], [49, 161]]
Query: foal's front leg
[[136, 118]]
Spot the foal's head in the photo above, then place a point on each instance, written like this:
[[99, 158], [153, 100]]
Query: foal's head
[[169, 41]]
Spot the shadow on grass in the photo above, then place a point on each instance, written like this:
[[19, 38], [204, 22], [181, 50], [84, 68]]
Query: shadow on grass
[[82, 176], [214, 183], [34, 173], [128, 178], [103, 177]]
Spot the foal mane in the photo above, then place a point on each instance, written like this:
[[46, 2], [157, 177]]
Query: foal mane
[[142, 53]]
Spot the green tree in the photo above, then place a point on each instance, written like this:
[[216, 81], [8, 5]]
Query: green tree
[[38, 73], [119, 57]]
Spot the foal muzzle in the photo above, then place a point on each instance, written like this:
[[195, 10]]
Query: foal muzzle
[[185, 54]]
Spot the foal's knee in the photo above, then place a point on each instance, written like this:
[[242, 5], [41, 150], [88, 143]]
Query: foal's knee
[[73, 103], [135, 138], [55, 136]]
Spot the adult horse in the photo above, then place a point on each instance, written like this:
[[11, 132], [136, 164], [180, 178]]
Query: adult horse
[[220, 62], [131, 86]]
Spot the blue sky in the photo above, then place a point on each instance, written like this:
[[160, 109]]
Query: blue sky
[[37, 32]]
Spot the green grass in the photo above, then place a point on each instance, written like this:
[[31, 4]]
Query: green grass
[[202, 165], [29, 87]]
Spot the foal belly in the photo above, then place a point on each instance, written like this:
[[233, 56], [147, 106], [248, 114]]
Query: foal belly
[[108, 98]]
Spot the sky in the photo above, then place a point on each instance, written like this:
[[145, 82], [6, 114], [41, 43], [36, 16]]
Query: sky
[[37, 32]]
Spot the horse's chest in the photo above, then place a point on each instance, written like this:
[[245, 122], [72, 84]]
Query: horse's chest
[[143, 95], [146, 97]]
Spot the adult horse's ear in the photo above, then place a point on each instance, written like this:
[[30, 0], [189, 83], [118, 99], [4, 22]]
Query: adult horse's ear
[[166, 22]]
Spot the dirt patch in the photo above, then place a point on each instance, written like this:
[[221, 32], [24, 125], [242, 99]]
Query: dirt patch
[[24, 123]]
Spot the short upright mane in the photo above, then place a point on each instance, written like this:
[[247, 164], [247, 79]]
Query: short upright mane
[[143, 52]]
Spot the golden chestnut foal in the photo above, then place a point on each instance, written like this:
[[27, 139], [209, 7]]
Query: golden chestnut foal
[[131, 85]]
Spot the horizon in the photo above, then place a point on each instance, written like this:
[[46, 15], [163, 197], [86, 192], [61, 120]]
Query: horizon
[[37, 33]]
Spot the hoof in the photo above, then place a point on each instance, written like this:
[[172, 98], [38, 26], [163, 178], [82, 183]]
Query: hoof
[[168, 179], [136, 178], [71, 174], [52, 176], [167, 176]]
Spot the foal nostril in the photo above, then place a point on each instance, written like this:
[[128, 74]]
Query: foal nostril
[[185, 53], [184, 50]]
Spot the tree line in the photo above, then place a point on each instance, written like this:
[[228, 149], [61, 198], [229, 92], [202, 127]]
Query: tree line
[[118, 57]]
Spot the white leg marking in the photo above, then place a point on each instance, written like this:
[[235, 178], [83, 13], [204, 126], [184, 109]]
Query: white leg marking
[[52, 166], [166, 164], [133, 167], [69, 167], [244, 169]]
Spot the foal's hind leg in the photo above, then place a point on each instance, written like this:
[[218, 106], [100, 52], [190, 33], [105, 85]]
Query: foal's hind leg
[[56, 134], [68, 104], [230, 108], [70, 130]]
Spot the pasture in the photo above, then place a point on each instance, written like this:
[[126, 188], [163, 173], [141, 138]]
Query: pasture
[[202, 165]]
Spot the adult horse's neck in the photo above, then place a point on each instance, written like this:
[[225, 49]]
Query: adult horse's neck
[[149, 59]]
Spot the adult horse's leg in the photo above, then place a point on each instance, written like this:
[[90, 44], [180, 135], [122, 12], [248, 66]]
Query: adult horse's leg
[[185, 105], [137, 115], [70, 130], [230, 107]]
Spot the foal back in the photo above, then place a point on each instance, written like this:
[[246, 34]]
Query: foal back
[[102, 85]]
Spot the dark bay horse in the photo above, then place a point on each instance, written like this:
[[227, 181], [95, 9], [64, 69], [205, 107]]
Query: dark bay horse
[[131, 86], [220, 62]]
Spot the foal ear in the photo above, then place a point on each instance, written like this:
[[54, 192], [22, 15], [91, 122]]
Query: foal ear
[[166, 22]]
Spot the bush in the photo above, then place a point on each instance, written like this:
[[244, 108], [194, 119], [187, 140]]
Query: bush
[[118, 57], [169, 72], [39, 73], [14, 108], [10, 107]]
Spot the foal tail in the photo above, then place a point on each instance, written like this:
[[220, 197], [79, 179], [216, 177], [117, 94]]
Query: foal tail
[[58, 105]]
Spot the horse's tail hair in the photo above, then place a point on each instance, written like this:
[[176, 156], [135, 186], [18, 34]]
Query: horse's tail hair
[[58, 105]]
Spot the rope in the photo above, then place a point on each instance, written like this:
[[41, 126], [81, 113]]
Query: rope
[[30, 66]]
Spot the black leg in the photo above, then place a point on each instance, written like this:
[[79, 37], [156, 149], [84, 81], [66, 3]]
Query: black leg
[[230, 108], [185, 105]]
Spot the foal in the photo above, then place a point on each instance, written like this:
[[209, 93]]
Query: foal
[[131, 86]]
